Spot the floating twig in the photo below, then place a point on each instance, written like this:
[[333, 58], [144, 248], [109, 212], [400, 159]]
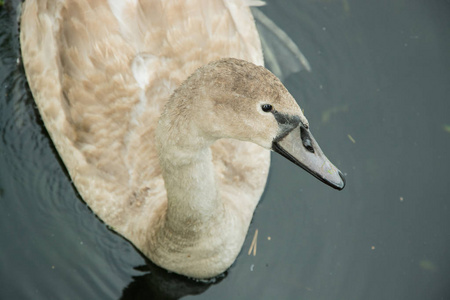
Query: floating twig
[[351, 138], [254, 243]]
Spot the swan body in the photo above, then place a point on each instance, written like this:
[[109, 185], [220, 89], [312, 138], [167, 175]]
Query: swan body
[[155, 109]]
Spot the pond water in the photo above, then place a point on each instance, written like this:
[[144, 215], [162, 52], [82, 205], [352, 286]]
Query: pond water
[[378, 102]]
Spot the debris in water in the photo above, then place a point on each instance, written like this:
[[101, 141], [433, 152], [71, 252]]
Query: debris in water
[[373, 247], [351, 138], [427, 265], [401, 198], [251, 268], [446, 127], [326, 115], [269, 238], [346, 6], [253, 245]]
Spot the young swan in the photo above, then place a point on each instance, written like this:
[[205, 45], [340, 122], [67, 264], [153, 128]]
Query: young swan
[[183, 190], [202, 231]]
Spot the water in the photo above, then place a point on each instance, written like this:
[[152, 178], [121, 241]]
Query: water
[[377, 100]]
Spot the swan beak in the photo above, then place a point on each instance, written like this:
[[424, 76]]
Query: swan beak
[[300, 147]]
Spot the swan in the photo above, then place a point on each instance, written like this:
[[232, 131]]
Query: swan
[[164, 117]]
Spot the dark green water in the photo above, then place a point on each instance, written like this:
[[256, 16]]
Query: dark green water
[[380, 76]]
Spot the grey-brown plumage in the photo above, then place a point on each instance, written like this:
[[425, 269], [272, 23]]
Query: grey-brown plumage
[[177, 173]]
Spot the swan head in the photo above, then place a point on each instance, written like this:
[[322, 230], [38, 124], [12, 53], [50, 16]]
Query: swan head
[[233, 98]]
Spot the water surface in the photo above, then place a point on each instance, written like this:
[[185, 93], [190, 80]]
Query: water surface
[[378, 103]]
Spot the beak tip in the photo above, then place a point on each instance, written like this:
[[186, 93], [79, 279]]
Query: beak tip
[[341, 185]]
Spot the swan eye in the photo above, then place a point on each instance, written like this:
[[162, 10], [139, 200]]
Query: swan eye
[[266, 107]]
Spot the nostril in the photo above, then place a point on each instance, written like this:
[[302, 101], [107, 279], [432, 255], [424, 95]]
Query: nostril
[[306, 140]]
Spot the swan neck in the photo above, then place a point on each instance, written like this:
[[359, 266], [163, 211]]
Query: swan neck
[[191, 189]]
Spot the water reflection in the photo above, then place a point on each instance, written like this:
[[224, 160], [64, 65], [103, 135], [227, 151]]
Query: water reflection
[[158, 283]]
